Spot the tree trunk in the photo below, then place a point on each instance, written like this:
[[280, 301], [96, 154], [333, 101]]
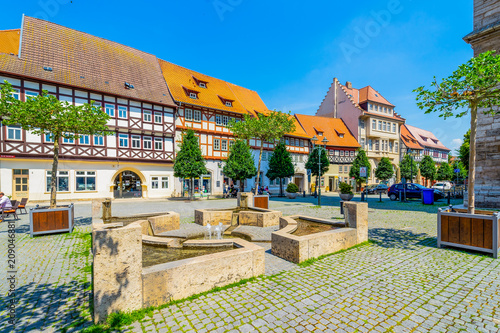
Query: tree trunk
[[472, 158], [281, 187], [242, 183], [258, 168], [53, 180]]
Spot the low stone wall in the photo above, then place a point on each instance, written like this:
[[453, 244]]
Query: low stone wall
[[163, 223], [205, 216], [300, 248], [179, 279], [122, 284], [259, 217]]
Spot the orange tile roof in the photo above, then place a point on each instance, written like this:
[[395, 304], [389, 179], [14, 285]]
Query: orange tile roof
[[408, 139], [180, 79], [332, 128], [426, 138], [9, 41], [85, 61], [369, 94]]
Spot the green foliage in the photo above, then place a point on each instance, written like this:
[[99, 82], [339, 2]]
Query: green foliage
[[45, 114], [464, 151], [408, 168], [189, 162], [428, 168], [311, 261], [444, 172], [474, 82], [361, 160], [265, 127], [384, 169], [313, 161], [345, 188], [462, 175], [239, 164], [280, 164], [292, 188]]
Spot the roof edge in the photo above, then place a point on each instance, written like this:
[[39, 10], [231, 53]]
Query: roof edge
[[21, 37]]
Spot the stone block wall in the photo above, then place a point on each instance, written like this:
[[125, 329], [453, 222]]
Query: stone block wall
[[486, 12]]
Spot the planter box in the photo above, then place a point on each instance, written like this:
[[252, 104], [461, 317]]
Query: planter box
[[45, 220], [478, 232], [291, 195], [261, 201]]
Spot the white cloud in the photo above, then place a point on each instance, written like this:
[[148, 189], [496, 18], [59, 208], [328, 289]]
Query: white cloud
[[456, 143]]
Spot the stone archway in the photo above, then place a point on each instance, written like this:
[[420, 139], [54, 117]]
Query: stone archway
[[128, 183]]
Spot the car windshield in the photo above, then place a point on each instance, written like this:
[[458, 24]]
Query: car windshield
[[419, 186], [438, 184]]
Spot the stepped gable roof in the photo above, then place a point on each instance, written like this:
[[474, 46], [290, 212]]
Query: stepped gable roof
[[84, 61]]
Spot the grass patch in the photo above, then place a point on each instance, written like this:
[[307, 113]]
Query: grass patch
[[311, 261], [116, 321]]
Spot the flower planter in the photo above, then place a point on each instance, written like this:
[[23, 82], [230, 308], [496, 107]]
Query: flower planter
[[261, 201], [346, 197], [44, 220], [478, 232], [291, 195]]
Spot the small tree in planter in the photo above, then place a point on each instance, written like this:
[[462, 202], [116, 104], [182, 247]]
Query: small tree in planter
[[189, 162], [384, 169], [280, 165], [345, 191], [291, 190], [474, 85], [46, 115], [240, 165]]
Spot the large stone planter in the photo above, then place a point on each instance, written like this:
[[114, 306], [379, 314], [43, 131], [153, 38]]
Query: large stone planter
[[346, 197], [45, 220], [291, 195], [478, 232]]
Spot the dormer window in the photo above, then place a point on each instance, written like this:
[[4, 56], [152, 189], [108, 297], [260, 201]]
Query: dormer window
[[191, 92], [202, 85], [193, 95], [229, 103], [226, 101]]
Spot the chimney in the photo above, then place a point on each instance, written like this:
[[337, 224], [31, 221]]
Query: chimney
[[348, 85]]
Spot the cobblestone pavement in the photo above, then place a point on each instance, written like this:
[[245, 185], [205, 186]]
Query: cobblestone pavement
[[399, 283]]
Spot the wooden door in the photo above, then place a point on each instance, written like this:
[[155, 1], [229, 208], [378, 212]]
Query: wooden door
[[20, 182]]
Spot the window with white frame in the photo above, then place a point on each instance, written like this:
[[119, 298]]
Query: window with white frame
[[384, 127], [197, 115], [123, 140], [377, 145], [158, 118], [158, 143], [202, 85], [341, 153], [371, 106], [68, 140], [370, 144], [122, 112], [216, 144], [147, 116], [30, 94], [148, 142], [396, 146], [164, 182], [16, 94], [224, 145], [362, 142], [193, 95], [379, 125], [218, 120], [394, 127], [390, 146], [98, 140], [231, 143], [229, 104], [84, 140], [188, 114], [374, 124], [62, 181], [361, 123], [264, 156], [48, 137], [110, 109], [225, 120], [96, 105], [154, 183], [352, 153], [14, 133], [136, 141], [85, 181]]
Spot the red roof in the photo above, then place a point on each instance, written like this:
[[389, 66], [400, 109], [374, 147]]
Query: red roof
[[409, 140], [426, 138]]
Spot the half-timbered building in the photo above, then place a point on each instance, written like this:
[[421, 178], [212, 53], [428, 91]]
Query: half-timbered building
[[136, 161]]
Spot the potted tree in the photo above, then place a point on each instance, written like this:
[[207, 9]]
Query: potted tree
[[280, 165], [292, 191], [46, 115], [345, 191], [471, 88]]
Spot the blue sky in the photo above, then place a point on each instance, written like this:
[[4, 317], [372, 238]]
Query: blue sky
[[288, 51]]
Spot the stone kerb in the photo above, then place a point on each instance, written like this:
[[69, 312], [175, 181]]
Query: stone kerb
[[356, 216], [117, 270], [300, 248], [163, 223], [183, 278]]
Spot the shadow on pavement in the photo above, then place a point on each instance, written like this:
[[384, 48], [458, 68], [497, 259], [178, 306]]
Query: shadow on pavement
[[400, 239]]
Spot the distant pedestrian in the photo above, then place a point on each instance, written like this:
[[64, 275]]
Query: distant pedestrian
[[5, 202], [224, 189]]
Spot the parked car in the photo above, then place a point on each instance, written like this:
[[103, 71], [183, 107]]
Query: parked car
[[443, 186], [376, 189], [412, 191]]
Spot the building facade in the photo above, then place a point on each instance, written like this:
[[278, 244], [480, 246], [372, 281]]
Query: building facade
[[341, 147], [136, 161], [370, 118], [486, 36], [429, 143]]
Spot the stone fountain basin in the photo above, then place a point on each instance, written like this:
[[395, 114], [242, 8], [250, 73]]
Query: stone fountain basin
[[294, 248], [253, 216]]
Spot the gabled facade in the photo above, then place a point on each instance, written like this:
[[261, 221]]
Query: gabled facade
[[410, 145], [431, 146], [341, 147], [371, 119], [77, 67]]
